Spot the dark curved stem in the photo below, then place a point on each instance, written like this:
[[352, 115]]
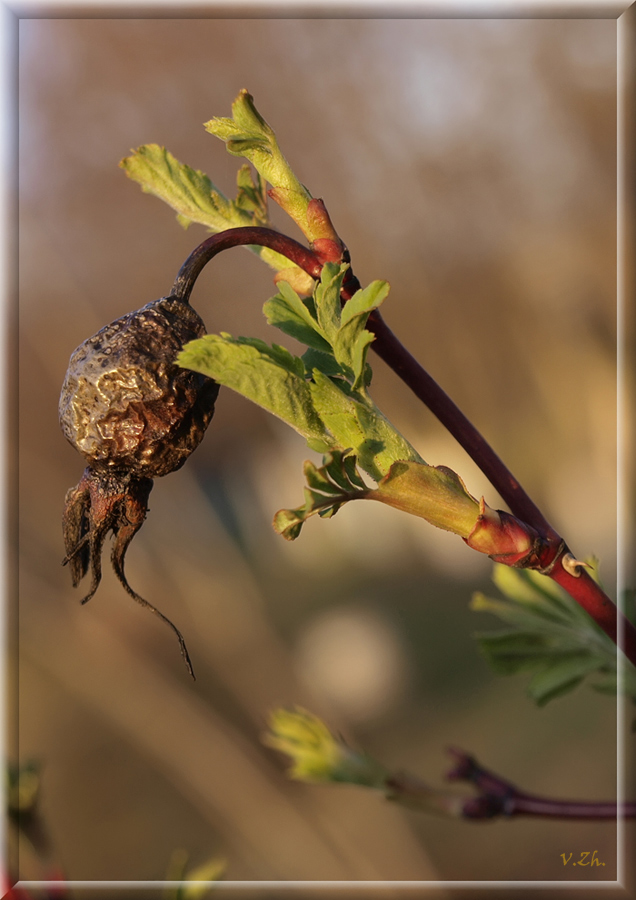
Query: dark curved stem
[[235, 237]]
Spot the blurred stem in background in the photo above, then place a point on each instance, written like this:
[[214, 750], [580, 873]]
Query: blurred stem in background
[[319, 757]]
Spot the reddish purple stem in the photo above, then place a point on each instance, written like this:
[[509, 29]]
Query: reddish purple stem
[[395, 355], [499, 797], [235, 237]]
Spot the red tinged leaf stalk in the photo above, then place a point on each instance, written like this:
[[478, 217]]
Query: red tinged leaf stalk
[[325, 243], [301, 256], [438, 494]]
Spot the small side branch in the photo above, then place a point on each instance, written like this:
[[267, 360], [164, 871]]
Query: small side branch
[[499, 797], [496, 797], [318, 756]]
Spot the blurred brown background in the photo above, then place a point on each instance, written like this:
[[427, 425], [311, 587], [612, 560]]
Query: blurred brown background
[[471, 164]]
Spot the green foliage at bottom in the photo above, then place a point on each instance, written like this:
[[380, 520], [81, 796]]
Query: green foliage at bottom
[[549, 636]]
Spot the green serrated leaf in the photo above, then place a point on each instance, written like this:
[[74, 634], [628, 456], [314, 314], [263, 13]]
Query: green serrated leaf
[[268, 376], [365, 300], [524, 617], [184, 221], [327, 299], [552, 636], [323, 361], [315, 500], [329, 511], [334, 468], [518, 587], [538, 591], [222, 127], [248, 117], [360, 426], [329, 487], [561, 677], [255, 149], [251, 194], [351, 347], [508, 652], [287, 312], [289, 522], [317, 479], [188, 191], [195, 198], [383, 443], [338, 412], [248, 134], [351, 472]]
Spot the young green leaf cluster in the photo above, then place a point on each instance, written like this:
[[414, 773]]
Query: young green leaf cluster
[[194, 197], [247, 134], [550, 635], [317, 755], [192, 194], [328, 487], [322, 395]]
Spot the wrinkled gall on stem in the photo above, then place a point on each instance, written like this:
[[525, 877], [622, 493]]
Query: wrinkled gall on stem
[[134, 415]]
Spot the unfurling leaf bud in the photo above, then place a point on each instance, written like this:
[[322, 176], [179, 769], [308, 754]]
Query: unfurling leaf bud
[[438, 494], [434, 493], [316, 754], [300, 281], [502, 536]]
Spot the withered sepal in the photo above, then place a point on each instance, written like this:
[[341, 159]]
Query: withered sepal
[[107, 500]]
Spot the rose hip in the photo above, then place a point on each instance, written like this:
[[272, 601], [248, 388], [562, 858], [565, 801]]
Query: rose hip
[[134, 415]]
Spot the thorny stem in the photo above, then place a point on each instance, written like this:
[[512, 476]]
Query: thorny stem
[[499, 797], [580, 586]]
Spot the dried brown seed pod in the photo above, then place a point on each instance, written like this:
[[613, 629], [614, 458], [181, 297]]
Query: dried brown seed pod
[[134, 415]]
